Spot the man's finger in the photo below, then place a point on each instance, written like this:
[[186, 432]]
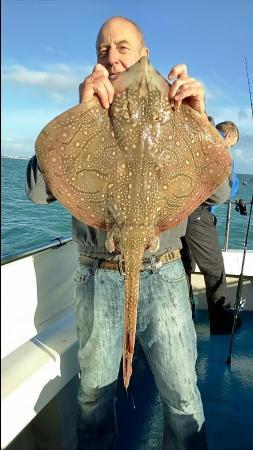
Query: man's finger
[[97, 83], [100, 68], [107, 86], [178, 71], [189, 90], [101, 92], [193, 96], [110, 89], [86, 92], [176, 85]]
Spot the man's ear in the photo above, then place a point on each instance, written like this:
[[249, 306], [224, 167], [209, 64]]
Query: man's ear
[[145, 52]]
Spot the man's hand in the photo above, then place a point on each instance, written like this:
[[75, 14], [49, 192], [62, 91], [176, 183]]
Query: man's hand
[[185, 88], [98, 84]]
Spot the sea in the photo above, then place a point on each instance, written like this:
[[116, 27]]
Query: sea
[[26, 225]]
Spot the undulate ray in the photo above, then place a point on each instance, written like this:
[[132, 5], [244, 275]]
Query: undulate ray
[[135, 170]]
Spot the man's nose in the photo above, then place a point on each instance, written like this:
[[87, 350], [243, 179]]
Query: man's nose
[[112, 56]]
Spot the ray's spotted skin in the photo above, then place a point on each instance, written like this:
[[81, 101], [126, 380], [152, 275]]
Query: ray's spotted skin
[[135, 170]]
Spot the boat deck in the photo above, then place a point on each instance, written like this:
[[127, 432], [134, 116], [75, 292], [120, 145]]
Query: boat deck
[[227, 393]]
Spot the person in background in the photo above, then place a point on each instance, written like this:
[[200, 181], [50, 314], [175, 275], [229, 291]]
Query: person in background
[[201, 238], [230, 133], [165, 328]]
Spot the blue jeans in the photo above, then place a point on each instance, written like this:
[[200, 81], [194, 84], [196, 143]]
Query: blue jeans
[[166, 333]]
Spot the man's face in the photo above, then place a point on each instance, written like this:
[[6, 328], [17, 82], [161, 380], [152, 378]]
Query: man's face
[[119, 47], [231, 139]]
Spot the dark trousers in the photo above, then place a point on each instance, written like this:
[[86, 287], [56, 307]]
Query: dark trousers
[[202, 239]]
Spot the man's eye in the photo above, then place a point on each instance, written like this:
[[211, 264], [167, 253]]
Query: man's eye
[[123, 48], [102, 52]]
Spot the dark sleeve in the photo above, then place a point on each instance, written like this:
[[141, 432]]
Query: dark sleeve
[[222, 194], [35, 186]]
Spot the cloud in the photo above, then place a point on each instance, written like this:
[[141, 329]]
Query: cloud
[[214, 92], [21, 147], [53, 51], [60, 98], [57, 78], [21, 128], [242, 114]]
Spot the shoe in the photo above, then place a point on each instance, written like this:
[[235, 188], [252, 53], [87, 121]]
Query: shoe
[[222, 319]]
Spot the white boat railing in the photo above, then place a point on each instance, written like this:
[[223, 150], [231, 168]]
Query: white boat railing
[[54, 243]]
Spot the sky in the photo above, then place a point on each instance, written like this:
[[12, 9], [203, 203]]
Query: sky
[[48, 48]]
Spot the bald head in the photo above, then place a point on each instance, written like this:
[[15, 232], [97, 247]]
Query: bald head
[[121, 21], [120, 44]]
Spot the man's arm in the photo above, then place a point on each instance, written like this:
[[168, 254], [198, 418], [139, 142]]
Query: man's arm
[[35, 186], [222, 194]]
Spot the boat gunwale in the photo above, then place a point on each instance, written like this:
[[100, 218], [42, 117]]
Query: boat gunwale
[[52, 244]]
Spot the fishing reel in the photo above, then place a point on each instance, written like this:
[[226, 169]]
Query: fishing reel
[[239, 305], [240, 206]]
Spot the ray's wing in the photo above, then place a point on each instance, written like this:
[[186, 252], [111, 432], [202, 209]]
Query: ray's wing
[[77, 154], [196, 163]]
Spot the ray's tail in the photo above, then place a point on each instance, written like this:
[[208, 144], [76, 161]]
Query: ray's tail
[[133, 258]]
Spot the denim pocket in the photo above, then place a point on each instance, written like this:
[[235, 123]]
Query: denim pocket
[[172, 272], [82, 276]]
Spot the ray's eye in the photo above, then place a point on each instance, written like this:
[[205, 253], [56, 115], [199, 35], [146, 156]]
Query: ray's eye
[[156, 117], [127, 111]]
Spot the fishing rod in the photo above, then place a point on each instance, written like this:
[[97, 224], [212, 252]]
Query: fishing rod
[[240, 302], [250, 96]]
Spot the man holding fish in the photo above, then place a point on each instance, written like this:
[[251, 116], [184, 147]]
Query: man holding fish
[[164, 328]]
